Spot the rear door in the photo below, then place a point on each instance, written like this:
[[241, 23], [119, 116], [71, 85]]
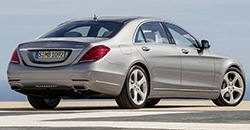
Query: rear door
[[163, 58], [197, 66]]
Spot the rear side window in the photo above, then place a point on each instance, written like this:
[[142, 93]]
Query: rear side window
[[85, 29], [152, 32], [139, 36]]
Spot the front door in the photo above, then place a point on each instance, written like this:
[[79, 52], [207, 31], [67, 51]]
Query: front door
[[197, 66]]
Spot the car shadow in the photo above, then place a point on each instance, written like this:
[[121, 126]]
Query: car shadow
[[85, 108]]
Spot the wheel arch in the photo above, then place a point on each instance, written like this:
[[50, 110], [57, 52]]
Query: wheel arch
[[237, 67], [241, 70]]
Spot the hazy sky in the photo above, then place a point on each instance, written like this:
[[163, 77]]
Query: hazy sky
[[225, 23]]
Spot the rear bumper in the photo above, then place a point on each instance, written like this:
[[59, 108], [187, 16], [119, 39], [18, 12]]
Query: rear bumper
[[69, 81]]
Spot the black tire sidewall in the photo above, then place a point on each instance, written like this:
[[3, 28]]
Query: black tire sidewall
[[40, 103], [152, 102]]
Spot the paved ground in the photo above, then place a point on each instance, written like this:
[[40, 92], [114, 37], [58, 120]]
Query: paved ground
[[105, 115]]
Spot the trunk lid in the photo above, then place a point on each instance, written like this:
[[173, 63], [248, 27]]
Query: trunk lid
[[54, 52]]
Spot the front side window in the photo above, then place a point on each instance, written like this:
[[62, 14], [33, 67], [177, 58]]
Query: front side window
[[181, 37], [152, 32], [85, 29]]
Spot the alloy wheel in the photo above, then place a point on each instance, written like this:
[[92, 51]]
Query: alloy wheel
[[138, 87], [232, 88]]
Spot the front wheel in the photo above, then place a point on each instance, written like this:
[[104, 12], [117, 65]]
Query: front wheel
[[135, 90], [232, 89], [43, 103]]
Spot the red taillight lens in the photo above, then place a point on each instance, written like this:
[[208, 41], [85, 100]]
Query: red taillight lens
[[15, 58], [94, 54]]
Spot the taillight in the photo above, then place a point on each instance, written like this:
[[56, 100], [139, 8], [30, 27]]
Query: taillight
[[15, 58], [94, 54]]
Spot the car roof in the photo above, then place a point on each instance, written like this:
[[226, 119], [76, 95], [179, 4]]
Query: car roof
[[119, 19]]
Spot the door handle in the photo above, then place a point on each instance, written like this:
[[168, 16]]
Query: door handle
[[184, 51], [144, 48]]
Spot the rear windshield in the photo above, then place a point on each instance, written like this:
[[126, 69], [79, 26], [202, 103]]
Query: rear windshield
[[105, 29]]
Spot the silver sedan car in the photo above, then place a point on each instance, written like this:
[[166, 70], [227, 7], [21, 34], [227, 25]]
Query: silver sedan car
[[136, 60]]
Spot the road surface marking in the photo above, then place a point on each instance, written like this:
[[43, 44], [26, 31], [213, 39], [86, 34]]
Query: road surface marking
[[54, 120]]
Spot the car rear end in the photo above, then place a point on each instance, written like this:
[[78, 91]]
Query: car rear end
[[68, 66]]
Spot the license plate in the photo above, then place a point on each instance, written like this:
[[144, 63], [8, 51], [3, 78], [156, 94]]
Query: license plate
[[50, 54]]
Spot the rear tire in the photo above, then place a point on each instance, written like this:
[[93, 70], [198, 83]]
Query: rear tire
[[43, 103], [232, 89], [135, 90], [152, 102]]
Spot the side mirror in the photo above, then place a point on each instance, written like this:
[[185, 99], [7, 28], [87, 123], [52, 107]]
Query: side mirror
[[205, 44]]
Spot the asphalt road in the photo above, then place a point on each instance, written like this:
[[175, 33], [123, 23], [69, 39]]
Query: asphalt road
[[105, 115]]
